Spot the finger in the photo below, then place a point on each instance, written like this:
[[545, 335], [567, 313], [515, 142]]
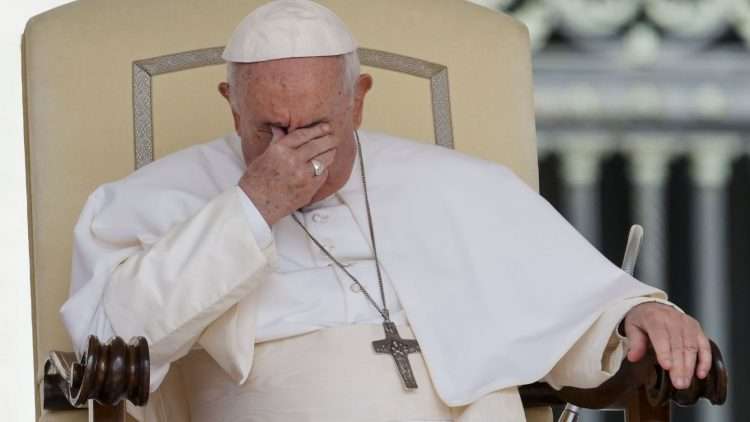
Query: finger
[[310, 175], [637, 342], [704, 356], [316, 147], [691, 357], [276, 134], [318, 181], [660, 342], [690, 341], [326, 158], [677, 346], [301, 136]]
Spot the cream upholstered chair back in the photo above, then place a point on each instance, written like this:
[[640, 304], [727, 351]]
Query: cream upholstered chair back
[[110, 85]]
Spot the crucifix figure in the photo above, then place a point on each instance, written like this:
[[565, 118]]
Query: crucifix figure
[[399, 348]]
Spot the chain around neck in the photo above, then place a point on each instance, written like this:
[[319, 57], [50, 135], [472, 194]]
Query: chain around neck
[[384, 310]]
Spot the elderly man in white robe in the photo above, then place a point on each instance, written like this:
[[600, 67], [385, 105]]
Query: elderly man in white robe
[[267, 268]]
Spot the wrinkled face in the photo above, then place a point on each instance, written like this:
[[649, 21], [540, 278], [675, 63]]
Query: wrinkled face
[[296, 93]]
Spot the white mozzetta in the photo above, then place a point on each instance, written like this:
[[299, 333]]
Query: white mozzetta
[[496, 285]]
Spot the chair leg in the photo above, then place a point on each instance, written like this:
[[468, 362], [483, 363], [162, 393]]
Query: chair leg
[[102, 413], [640, 410]]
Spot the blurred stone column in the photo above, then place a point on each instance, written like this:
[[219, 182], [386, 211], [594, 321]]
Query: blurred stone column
[[649, 167], [580, 158], [711, 159], [580, 170], [544, 146]]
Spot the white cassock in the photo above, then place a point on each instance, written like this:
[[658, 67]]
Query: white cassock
[[496, 286]]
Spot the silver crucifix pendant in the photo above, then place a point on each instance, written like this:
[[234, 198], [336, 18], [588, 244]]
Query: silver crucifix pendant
[[399, 348]]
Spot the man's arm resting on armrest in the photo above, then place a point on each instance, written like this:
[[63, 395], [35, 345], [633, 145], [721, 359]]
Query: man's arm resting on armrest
[[171, 291], [678, 341], [599, 353]]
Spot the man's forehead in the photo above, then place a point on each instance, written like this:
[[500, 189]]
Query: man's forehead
[[307, 89]]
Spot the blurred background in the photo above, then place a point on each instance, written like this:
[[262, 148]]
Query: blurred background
[[643, 111], [642, 117]]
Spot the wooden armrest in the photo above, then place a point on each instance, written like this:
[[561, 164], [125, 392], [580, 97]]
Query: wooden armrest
[[645, 375], [107, 373], [115, 371]]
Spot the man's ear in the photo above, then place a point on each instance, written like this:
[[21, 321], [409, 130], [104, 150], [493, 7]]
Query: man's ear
[[363, 86], [224, 91]]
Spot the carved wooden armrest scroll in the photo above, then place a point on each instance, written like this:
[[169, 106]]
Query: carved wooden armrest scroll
[[632, 377], [108, 373]]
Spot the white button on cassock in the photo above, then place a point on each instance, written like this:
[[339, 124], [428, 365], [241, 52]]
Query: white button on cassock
[[319, 217]]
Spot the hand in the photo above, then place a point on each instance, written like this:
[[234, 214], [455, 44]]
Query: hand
[[281, 179], [677, 339]]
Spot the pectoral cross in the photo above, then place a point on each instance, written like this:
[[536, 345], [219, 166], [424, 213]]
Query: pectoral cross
[[399, 348]]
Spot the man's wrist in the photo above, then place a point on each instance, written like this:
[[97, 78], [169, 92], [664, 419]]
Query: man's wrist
[[259, 226], [257, 201]]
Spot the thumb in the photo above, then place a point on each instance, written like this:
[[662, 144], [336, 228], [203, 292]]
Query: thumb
[[637, 342], [276, 134]]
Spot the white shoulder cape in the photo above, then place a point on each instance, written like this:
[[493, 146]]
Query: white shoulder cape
[[496, 285]]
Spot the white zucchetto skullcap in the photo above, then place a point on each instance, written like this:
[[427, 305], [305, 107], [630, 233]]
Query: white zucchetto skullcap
[[284, 29]]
